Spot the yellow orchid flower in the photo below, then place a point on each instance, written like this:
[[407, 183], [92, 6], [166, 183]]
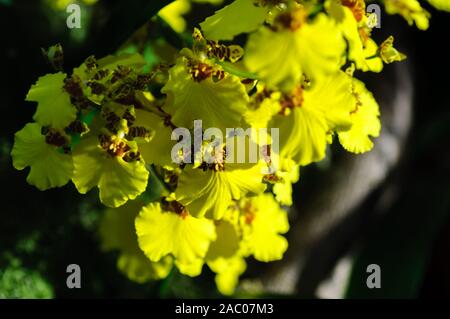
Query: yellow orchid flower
[[280, 56], [163, 232]]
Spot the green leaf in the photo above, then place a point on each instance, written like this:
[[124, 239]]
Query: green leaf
[[241, 16]]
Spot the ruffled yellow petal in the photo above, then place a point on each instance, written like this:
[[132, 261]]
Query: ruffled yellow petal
[[158, 149], [192, 269], [366, 122], [304, 131], [117, 180], [262, 222], [210, 193], [227, 242], [49, 166], [54, 108], [227, 272], [161, 233], [303, 135], [280, 57], [372, 60], [283, 188], [334, 99], [218, 104]]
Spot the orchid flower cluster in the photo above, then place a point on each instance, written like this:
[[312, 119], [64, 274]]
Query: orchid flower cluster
[[109, 124]]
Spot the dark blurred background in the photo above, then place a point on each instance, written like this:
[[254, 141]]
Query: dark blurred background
[[389, 207]]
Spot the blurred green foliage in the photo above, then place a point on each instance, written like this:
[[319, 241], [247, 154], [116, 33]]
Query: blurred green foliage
[[19, 282]]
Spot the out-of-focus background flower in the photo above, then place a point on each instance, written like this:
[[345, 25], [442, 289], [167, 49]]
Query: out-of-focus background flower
[[389, 207]]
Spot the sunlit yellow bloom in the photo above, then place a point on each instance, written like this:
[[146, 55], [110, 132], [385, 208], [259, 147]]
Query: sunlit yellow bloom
[[209, 193], [279, 95], [311, 115]]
